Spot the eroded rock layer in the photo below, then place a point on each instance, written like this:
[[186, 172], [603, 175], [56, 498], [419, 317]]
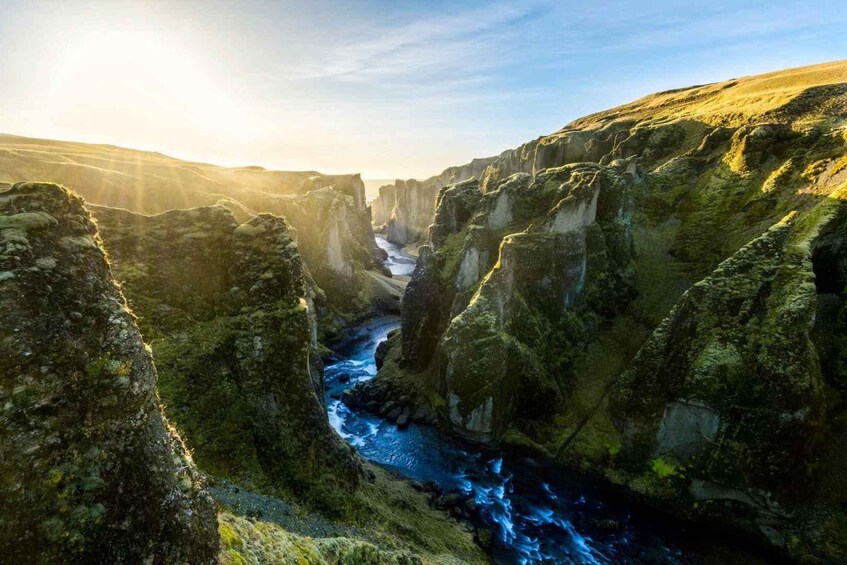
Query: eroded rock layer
[[230, 316], [90, 470], [405, 209]]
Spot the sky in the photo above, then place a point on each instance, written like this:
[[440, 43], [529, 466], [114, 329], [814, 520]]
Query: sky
[[388, 88]]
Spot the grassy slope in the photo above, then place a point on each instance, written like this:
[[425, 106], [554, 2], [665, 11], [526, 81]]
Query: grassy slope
[[142, 181], [730, 103]]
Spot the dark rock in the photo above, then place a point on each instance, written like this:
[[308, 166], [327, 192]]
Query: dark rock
[[432, 487], [403, 419], [381, 353], [484, 539], [388, 408], [92, 472], [421, 413], [607, 525]]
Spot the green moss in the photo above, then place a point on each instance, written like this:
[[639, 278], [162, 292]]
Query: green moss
[[450, 253], [665, 468], [14, 227]]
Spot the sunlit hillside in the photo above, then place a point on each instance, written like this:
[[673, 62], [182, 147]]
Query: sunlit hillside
[[815, 90], [149, 182]]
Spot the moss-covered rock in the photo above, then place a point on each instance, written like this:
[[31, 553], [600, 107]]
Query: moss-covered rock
[[738, 394], [90, 470], [231, 319], [508, 355], [335, 238], [404, 210], [729, 383], [725, 413]]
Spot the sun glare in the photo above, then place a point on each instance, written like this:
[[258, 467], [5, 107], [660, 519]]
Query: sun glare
[[148, 80]]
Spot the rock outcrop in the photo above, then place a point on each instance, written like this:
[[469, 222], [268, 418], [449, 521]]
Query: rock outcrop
[[405, 209], [91, 470], [725, 412], [230, 316], [510, 277], [335, 238]]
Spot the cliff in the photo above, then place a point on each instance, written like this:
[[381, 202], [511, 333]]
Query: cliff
[[334, 235], [91, 470], [228, 310], [541, 282], [230, 315], [406, 208], [725, 407]]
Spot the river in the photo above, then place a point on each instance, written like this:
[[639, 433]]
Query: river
[[536, 514]]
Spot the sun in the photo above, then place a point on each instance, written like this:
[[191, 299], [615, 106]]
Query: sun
[[146, 79]]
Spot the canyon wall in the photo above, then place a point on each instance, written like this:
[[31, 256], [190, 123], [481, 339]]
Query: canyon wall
[[556, 304], [92, 472], [406, 208], [229, 311]]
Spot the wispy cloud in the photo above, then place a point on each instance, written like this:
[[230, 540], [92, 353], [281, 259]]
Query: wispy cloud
[[442, 47]]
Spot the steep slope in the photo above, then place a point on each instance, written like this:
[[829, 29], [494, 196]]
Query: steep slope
[[405, 209], [725, 407], [328, 213], [91, 471], [231, 320], [736, 395]]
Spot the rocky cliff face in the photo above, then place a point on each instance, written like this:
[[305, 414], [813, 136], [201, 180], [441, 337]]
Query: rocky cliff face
[[334, 234], [406, 208], [91, 470], [231, 319], [512, 285], [521, 324], [328, 214], [725, 406]]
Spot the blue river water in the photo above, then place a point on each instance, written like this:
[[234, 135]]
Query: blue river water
[[535, 514]]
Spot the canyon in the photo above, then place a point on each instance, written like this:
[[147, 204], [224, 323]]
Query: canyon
[[620, 342]]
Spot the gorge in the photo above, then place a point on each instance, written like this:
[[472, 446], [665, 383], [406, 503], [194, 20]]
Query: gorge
[[622, 342]]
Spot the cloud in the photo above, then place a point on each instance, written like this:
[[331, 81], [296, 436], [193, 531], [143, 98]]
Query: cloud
[[438, 47]]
